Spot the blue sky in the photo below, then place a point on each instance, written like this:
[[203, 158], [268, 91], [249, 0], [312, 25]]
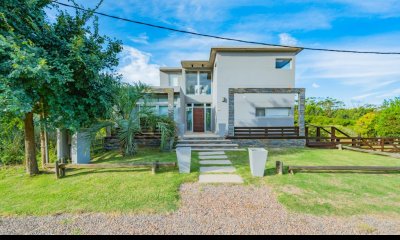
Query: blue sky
[[344, 24]]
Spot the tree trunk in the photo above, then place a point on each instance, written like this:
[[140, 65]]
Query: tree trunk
[[30, 152], [43, 143]]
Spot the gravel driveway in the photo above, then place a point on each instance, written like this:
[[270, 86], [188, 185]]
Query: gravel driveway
[[206, 209]]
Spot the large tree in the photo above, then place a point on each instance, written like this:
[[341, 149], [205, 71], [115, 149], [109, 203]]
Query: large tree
[[62, 71]]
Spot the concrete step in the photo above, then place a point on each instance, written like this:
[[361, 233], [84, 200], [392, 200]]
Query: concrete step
[[208, 145], [204, 141], [218, 149], [220, 178], [211, 153], [216, 157], [215, 162], [218, 169]]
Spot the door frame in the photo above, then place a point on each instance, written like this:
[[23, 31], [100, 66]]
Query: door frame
[[205, 106]]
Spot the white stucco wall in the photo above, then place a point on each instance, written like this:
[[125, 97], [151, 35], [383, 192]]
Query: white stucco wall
[[246, 104], [251, 70]]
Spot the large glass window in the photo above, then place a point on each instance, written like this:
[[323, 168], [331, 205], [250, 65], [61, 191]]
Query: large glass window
[[191, 83], [205, 83], [198, 83]]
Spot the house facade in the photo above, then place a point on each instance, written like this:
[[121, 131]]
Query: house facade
[[259, 81]]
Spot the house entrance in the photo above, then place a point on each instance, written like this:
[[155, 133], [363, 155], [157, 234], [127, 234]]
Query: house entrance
[[198, 118]]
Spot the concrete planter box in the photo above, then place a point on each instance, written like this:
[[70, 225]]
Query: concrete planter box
[[258, 159], [184, 155], [80, 150]]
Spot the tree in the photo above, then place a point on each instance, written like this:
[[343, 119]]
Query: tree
[[23, 68], [365, 125], [62, 71], [388, 120]]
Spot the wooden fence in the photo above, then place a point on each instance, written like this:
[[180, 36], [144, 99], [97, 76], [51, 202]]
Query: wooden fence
[[323, 137], [331, 137], [266, 132]]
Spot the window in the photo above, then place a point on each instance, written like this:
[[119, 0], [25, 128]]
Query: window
[[260, 112], [163, 110], [205, 83], [191, 82], [277, 112], [283, 64], [273, 112], [198, 83], [173, 80]]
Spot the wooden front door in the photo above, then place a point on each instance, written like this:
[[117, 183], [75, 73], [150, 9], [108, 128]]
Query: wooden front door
[[198, 120]]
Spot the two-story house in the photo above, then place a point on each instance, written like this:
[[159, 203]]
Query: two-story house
[[235, 87]]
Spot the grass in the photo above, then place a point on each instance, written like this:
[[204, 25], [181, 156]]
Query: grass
[[138, 191], [107, 190], [329, 193]]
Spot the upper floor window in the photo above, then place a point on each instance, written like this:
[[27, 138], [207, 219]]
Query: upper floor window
[[173, 80], [198, 83], [283, 63]]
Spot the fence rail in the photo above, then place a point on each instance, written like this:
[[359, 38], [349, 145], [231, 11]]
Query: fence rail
[[325, 137], [335, 137], [266, 132]]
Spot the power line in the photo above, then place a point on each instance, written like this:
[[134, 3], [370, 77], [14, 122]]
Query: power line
[[223, 38]]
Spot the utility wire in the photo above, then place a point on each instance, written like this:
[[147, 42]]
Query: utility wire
[[223, 38]]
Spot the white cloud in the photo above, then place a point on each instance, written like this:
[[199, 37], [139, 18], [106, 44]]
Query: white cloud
[[135, 66], [287, 39], [366, 76], [141, 39], [312, 19], [315, 85]]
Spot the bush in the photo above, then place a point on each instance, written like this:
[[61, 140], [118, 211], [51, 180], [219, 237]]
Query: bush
[[12, 149]]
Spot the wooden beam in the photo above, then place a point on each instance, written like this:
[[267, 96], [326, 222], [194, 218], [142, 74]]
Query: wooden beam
[[343, 168], [111, 166], [393, 155]]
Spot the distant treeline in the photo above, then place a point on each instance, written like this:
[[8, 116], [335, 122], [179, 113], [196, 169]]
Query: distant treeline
[[367, 120]]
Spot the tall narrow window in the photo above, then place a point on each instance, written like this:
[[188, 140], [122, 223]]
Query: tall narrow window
[[283, 63], [205, 83], [191, 82]]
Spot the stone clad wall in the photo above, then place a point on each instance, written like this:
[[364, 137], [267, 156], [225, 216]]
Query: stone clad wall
[[272, 143]]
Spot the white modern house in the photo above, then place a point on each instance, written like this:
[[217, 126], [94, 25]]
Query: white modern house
[[236, 87]]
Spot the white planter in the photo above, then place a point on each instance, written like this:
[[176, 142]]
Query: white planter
[[184, 155], [258, 159]]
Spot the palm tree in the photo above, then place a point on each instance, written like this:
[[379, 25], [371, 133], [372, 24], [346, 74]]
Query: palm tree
[[129, 119]]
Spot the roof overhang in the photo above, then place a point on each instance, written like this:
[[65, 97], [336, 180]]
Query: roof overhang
[[252, 49], [196, 64], [207, 64]]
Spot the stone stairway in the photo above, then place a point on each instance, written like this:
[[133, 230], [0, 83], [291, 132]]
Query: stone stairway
[[215, 167], [209, 142]]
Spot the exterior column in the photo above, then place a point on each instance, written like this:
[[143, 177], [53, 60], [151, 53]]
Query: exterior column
[[231, 121], [302, 108], [63, 152], [170, 102]]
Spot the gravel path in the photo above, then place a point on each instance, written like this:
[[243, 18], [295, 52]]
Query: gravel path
[[206, 209]]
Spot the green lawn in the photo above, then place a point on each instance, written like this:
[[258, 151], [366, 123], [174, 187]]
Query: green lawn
[[329, 193], [138, 191], [127, 191]]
